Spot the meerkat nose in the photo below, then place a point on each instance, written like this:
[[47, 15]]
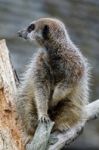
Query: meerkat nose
[[22, 33]]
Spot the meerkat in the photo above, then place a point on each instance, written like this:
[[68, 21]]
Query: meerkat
[[56, 83]]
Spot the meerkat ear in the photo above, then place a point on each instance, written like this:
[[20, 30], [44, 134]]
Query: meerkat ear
[[45, 32]]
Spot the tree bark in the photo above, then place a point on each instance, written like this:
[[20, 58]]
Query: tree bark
[[10, 131]]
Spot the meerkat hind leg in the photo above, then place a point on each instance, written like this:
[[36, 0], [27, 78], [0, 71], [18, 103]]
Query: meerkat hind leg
[[28, 116], [65, 115]]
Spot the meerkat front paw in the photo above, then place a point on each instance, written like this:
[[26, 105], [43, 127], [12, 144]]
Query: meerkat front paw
[[44, 118]]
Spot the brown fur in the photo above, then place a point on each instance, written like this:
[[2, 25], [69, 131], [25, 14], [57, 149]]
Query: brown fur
[[55, 84]]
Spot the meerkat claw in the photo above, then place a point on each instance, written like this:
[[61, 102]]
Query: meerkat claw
[[44, 119]]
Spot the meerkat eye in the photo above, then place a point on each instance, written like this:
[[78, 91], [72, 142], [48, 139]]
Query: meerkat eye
[[45, 32], [31, 28]]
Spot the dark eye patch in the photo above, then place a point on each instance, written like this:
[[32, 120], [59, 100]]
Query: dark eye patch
[[45, 32], [31, 28]]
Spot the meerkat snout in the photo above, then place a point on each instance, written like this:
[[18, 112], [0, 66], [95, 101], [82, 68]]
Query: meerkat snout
[[22, 33], [28, 32]]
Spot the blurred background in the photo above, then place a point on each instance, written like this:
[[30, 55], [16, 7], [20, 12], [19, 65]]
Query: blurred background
[[82, 20]]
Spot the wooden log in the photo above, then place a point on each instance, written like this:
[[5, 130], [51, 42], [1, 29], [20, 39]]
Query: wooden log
[[41, 137], [10, 131]]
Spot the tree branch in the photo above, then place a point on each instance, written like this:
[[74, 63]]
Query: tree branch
[[41, 137], [92, 110], [64, 139]]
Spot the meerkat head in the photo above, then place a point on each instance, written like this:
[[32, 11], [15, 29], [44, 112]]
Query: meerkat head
[[44, 31]]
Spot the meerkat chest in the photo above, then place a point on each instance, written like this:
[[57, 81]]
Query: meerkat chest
[[57, 69]]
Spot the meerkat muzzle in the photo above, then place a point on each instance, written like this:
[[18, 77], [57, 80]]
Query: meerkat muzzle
[[23, 33]]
